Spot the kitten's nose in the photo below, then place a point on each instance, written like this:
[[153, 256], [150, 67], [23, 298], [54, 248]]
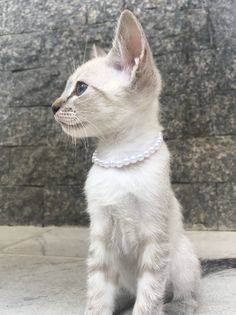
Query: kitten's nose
[[57, 105], [55, 109]]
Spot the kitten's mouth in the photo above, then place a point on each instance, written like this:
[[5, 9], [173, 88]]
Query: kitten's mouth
[[73, 126]]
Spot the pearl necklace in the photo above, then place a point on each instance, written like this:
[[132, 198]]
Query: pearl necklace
[[129, 160]]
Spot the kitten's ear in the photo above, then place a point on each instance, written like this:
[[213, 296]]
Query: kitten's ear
[[98, 51], [130, 49]]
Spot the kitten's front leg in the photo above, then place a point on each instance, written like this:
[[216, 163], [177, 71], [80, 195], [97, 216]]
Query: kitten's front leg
[[152, 277], [102, 278]]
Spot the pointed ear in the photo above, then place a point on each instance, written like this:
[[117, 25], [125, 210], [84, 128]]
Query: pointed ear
[[130, 49], [98, 51]]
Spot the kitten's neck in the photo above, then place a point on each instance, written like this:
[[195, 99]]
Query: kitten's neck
[[130, 141]]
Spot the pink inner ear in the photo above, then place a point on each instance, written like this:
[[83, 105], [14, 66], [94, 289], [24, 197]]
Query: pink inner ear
[[129, 42]]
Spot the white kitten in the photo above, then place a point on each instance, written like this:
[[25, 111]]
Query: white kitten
[[136, 235]]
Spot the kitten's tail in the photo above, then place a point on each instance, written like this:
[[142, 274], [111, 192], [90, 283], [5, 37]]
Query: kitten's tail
[[211, 266]]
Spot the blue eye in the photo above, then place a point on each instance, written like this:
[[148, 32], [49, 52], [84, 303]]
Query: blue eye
[[81, 87]]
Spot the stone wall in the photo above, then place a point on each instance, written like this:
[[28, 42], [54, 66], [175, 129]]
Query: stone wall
[[194, 44]]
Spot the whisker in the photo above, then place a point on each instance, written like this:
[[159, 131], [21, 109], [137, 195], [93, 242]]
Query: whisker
[[93, 125], [83, 139], [73, 60], [85, 49], [70, 132], [79, 56]]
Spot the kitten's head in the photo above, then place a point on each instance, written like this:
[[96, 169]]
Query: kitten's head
[[112, 91]]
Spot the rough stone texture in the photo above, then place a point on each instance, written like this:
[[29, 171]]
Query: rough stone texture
[[204, 159], [200, 208], [23, 126], [21, 205], [4, 165], [194, 44], [65, 202], [226, 199]]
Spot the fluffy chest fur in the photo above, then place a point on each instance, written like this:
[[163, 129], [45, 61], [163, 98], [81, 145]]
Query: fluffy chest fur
[[129, 202]]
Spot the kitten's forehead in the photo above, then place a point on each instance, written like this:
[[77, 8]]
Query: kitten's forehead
[[98, 73]]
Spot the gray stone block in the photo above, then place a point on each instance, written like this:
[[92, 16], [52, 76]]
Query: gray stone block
[[199, 115], [203, 159], [4, 165], [3, 208], [224, 110], [5, 89], [226, 204], [63, 48], [143, 6], [173, 111], [63, 165], [174, 71], [26, 126], [65, 205], [197, 4], [198, 37], [60, 49], [21, 51], [226, 69], [33, 16], [35, 87], [67, 165], [222, 22], [202, 63], [199, 205], [21, 205], [28, 166], [99, 11]]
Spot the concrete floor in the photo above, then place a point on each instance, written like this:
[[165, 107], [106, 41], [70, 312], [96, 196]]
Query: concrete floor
[[42, 271]]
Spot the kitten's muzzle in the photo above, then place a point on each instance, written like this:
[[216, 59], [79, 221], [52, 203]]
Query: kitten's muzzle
[[59, 102]]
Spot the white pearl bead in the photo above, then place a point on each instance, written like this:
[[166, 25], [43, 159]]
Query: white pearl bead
[[119, 164], [106, 164], [126, 161], [133, 159], [146, 153], [140, 157], [101, 162], [112, 163], [151, 150]]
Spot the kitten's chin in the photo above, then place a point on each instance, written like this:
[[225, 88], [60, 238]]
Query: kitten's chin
[[76, 131]]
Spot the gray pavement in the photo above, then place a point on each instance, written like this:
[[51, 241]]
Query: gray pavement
[[42, 271]]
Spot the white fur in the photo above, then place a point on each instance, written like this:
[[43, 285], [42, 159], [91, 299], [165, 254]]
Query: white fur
[[137, 240]]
